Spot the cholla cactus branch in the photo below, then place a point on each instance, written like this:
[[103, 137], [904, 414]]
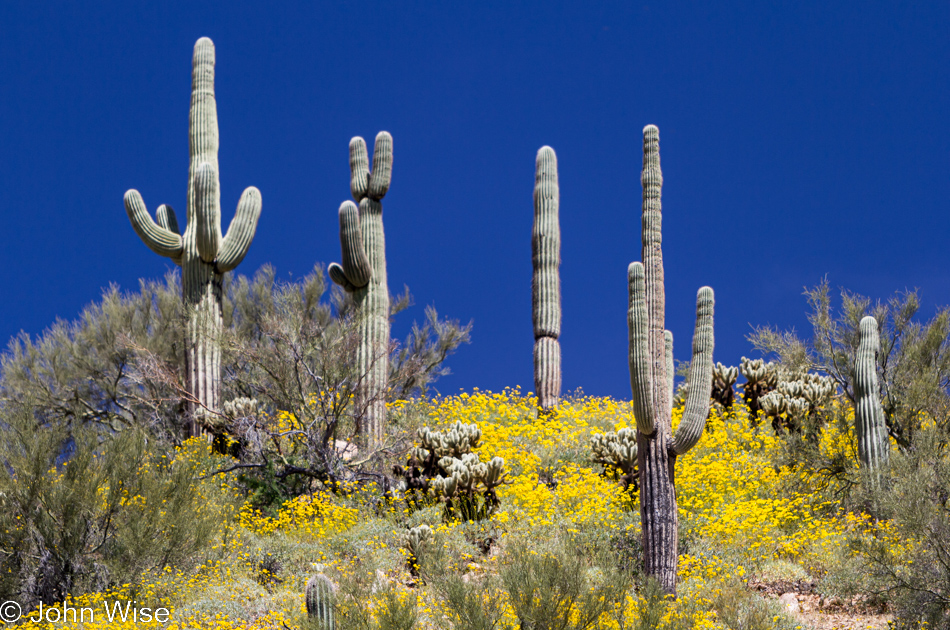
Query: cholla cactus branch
[[201, 251], [869, 424], [546, 281]]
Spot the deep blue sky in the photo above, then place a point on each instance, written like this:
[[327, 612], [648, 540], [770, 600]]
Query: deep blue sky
[[798, 139]]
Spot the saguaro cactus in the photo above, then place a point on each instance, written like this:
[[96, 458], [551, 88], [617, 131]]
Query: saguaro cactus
[[363, 273], [202, 253], [319, 600], [873, 445], [546, 282], [657, 446]]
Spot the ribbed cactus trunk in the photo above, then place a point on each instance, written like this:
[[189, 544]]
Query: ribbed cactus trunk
[[869, 424], [319, 601], [546, 282], [363, 273], [203, 254], [651, 380]]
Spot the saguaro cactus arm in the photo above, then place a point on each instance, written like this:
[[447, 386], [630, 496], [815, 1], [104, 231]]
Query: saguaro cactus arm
[[208, 213], [359, 168], [640, 377], [355, 271], [382, 174], [241, 231], [159, 238], [700, 376]]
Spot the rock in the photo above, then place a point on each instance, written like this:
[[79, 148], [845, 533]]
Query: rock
[[790, 603], [346, 450]]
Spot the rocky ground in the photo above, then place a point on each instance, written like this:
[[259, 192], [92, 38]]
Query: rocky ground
[[820, 613]]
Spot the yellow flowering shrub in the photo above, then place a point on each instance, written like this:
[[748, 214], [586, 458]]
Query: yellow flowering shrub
[[737, 515]]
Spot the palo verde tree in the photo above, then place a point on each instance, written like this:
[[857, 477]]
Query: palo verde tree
[[203, 254], [651, 380]]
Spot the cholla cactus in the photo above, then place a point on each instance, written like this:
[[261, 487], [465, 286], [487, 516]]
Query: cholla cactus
[[241, 408], [416, 540], [869, 424], [203, 254], [319, 598], [467, 486], [618, 450], [651, 379], [796, 398], [761, 378], [443, 467], [723, 380], [458, 440], [363, 273], [546, 281], [773, 404]]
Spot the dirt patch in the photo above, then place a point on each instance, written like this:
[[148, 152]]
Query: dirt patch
[[800, 598]]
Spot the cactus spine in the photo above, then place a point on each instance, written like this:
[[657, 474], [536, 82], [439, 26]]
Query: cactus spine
[[546, 282], [868, 414], [319, 596], [203, 254], [650, 379], [363, 273]]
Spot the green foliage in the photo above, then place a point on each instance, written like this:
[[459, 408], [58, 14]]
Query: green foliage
[[108, 368], [905, 558], [913, 362], [296, 355], [83, 512], [559, 590]]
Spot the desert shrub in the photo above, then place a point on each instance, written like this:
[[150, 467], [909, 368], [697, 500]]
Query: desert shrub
[[295, 355], [914, 361], [91, 371], [84, 512], [904, 554], [559, 590], [289, 375]]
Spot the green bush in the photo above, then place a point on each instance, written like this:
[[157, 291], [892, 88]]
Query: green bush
[[83, 511]]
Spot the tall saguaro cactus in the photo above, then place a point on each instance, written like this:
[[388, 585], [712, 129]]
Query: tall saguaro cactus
[[363, 273], [203, 254], [869, 422], [651, 382], [546, 282]]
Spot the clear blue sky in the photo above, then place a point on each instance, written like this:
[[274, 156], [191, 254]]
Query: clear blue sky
[[798, 139]]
